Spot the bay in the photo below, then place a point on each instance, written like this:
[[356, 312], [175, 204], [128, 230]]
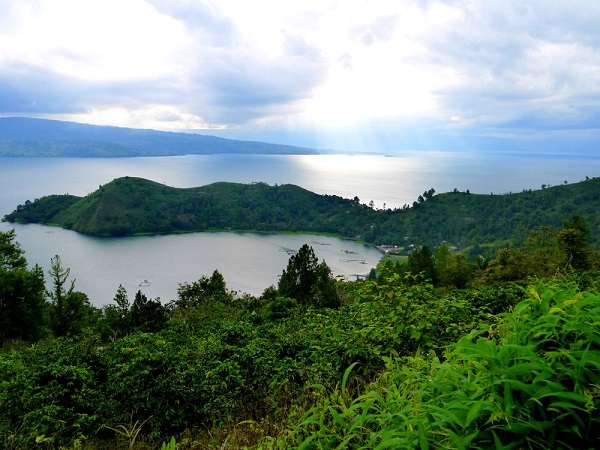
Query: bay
[[251, 262]]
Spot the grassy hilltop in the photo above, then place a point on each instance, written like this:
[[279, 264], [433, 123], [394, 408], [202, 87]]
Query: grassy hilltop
[[129, 206]]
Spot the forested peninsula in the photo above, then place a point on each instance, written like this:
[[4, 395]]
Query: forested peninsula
[[129, 206]]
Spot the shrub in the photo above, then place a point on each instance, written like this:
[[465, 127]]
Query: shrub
[[532, 381]]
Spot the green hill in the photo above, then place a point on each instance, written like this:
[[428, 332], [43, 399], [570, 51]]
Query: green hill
[[128, 206]]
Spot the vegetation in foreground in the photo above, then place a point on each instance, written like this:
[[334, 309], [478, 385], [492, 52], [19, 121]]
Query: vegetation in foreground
[[436, 352], [480, 223]]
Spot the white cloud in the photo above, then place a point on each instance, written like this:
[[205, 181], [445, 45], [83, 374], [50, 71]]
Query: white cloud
[[97, 41], [420, 66]]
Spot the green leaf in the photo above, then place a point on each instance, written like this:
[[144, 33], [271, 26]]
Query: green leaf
[[338, 418]]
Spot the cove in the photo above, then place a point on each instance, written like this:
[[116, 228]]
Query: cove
[[249, 262]]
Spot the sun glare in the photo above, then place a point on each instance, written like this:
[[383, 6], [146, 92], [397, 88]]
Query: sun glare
[[100, 45], [155, 117]]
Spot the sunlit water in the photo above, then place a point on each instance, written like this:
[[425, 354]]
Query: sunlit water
[[251, 262]]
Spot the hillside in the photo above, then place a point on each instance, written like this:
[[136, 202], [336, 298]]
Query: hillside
[[465, 219], [20, 136], [128, 206]]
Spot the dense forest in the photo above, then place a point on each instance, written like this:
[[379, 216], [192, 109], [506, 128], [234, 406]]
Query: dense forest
[[434, 351], [473, 223]]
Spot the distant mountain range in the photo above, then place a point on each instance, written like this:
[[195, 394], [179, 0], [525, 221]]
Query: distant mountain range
[[21, 136]]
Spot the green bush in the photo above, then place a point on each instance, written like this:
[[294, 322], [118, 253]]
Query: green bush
[[532, 381], [505, 381]]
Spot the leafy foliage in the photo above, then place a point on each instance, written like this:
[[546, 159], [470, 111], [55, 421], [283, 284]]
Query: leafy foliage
[[574, 239], [148, 315], [69, 309], [531, 381], [22, 294], [308, 281], [129, 206], [236, 359], [510, 362]]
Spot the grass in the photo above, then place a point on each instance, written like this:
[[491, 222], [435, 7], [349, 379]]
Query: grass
[[393, 258], [530, 381]]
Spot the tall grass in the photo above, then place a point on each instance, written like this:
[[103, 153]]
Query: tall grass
[[532, 380]]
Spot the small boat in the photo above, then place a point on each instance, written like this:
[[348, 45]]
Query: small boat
[[145, 283]]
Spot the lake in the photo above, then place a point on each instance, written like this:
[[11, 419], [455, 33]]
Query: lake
[[251, 262]]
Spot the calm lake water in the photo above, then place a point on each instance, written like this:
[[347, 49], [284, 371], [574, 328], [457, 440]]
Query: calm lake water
[[251, 262]]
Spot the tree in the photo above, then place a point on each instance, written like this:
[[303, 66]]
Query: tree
[[116, 320], [307, 281], [270, 293], [279, 307], [544, 254], [69, 309], [300, 275], [22, 293], [444, 263], [203, 291], [148, 315], [462, 272], [574, 239], [324, 290], [420, 261], [451, 269], [122, 302], [510, 264], [11, 255], [428, 195]]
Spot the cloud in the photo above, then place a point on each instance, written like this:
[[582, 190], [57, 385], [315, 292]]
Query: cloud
[[214, 73], [512, 60], [232, 79], [381, 28], [25, 89], [410, 70], [30, 89], [240, 85], [207, 25]]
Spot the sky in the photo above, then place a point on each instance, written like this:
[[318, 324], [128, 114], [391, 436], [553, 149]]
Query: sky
[[349, 75]]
